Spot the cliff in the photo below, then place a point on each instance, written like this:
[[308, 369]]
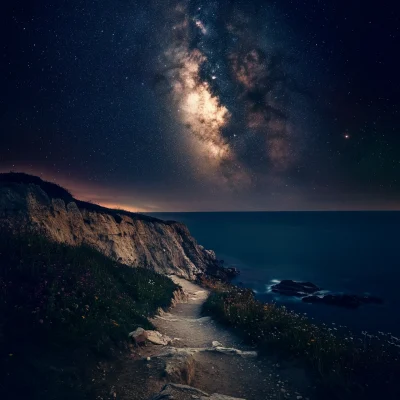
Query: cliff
[[132, 239]]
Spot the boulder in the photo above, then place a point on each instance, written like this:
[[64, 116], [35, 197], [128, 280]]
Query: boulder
[[309, 294], [157, 338], [292, 288], [178, 364], [217, 270], [139, 336], [216, 348]]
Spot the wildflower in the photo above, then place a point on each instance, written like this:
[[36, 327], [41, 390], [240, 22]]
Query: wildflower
[[83, 317], [41, 321]]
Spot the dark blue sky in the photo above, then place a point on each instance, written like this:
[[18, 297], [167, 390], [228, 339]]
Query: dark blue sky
[[205, 105]]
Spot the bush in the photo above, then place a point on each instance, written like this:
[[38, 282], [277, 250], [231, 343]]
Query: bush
[[60, 306], [346, 366]]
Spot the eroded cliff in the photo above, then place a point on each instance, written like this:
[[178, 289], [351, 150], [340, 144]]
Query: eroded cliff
[[133, 239]]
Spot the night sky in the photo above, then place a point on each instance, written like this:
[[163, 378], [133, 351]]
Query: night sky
[[178, 105]]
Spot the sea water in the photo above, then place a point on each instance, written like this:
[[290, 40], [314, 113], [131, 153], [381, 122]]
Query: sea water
[[341, 252]]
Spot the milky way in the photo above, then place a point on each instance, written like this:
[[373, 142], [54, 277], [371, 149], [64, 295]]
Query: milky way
[[198, 108], [205, 104], [232, 92]]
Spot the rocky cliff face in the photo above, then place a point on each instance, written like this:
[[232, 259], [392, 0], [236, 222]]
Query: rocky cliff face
[[133, 239]]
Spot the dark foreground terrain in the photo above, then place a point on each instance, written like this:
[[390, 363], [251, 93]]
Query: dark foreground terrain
[[65, 310], [345, 365]]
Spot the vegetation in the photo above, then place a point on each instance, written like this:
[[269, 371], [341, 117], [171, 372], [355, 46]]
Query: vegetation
[[53, 190], [347, 367], [64, 308]]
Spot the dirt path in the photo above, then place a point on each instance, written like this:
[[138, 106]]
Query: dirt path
[[247, 377]]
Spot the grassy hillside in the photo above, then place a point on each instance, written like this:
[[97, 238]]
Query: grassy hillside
[[62, 309]]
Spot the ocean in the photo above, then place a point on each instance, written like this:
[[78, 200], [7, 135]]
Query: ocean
[[341, 252]]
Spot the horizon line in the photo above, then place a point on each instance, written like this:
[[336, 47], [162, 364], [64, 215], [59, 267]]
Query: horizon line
[[264, 211]]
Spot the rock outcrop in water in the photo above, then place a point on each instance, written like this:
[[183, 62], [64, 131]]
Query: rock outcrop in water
[[132, 239], [310, 293], [293, 288]]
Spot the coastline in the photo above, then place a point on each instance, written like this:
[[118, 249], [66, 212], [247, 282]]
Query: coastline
[[340, 252]]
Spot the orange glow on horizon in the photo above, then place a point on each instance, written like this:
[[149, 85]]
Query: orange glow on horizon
[[83, 191], [123, 207]]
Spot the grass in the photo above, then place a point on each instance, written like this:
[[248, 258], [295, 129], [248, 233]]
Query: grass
[[346, 366], [64, 308]]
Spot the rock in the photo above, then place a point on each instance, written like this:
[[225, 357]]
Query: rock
[[183, 392], [343, 300], [139, 336], [217, 270], [231, 351], [309, 294], [157, 338], [178, 364], [171, 351], [293, 288]]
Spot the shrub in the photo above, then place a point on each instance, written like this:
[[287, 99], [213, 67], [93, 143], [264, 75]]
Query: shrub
[[346, 366]]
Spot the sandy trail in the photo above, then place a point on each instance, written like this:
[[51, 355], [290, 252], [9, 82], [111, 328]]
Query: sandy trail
[[252, 378]]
